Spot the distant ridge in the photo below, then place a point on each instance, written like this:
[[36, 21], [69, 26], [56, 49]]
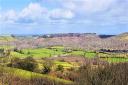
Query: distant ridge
[[106, 36], [123, 36], [67, 35], [82, 40]]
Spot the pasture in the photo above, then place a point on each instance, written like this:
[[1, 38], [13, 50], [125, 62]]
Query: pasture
[[57, 51], [54, 51]]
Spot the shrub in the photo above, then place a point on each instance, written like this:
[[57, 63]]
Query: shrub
[[60, 68], [25, 64], [47, 67], [113, 74]]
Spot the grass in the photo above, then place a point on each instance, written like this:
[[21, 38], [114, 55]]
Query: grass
[[46, 52], [113, 54], [64, 64], [82, 53], [42, 52], [114, 57], [6, 38], [28, 75], [57, 50], [19, 55], [115, 60], [90, 54], [6, 47], [38, 53], [78, 53], [58, 47]]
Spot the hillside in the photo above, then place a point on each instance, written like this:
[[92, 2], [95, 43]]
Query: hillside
[[89, 41], [123, 36], [62, 59], [28, 75]]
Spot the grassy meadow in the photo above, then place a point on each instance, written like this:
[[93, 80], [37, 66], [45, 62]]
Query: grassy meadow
[[56, 51], [49, 58]]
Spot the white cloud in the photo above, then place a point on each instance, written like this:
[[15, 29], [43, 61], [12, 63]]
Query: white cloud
[[71, 5], [74, 15], [96, 11], [99, 11], [91, 6], [32, 13], [9, 16], [86, 6], [33, 10], [61, 14]]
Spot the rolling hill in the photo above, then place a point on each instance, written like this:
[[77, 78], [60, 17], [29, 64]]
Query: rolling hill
[[89, 41], [123, 36]]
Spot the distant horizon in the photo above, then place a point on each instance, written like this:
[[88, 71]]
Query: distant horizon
[[59, 33]]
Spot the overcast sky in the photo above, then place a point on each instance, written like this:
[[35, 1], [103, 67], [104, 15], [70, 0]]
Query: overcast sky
[[63, 16]]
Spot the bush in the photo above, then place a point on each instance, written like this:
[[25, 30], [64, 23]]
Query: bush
[[47, 67], [60, 68], [113, 74], [25, 64]]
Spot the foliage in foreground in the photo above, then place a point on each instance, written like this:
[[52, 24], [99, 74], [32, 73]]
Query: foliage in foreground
[[14, 76], [113, 74]]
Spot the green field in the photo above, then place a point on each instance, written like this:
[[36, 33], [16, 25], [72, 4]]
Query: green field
[[19, 55], [41, 52], [115, 60], [46, 52], [64, 64], [55, 51], [42, 56], [114, 57]]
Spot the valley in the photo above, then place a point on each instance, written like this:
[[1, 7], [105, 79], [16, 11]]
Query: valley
[[58, 58]]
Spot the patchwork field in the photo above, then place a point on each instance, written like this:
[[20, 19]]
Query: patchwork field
[[57, 51], [54, 64]]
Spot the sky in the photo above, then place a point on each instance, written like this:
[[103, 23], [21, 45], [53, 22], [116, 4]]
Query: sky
[[63, 16]]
